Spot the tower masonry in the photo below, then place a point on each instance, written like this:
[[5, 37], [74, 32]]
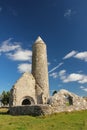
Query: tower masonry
[[40, 70]]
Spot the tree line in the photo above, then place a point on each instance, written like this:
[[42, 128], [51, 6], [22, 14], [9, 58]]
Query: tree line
[[4, 97]]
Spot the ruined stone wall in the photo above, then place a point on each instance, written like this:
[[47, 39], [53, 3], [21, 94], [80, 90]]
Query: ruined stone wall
[[37, 110], [23, 89], [57, 103], [40, 71], [34, 110], [64, 100]]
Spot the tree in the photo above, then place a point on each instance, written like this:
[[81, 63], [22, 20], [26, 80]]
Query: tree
[[5, 97]]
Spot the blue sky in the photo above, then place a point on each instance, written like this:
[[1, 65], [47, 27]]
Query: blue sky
[[62, 24]]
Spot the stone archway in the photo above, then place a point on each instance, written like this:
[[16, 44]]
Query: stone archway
[[27, 101]]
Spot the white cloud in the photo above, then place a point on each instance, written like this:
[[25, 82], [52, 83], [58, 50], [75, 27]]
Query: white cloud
[[14, 51], [71, 54], [20, 55], [60, 64], [68, 13], [77, 55], [81, 56], [83, 88], [73, 77], [62, 74], [7, 46], [24, 67], [54, 75]]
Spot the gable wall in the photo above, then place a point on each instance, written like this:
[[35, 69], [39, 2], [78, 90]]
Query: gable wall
[[25, 87]]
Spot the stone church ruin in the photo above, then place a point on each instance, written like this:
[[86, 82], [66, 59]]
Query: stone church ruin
[[30, 94]]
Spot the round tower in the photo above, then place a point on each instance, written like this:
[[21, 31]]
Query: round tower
[[40, 71]]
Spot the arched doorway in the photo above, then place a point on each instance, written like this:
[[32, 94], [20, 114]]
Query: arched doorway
[[27, 101]]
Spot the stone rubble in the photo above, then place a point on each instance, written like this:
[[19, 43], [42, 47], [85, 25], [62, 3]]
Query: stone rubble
[[67, 101]]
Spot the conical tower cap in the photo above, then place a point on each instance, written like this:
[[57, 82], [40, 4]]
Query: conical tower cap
[[39, 40]]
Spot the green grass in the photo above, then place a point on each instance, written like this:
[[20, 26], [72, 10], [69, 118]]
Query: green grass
[[61, 121]]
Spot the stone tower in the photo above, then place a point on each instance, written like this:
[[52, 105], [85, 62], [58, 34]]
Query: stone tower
[[40, 70]]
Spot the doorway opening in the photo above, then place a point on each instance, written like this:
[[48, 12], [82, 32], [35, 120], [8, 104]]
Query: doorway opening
[[26, 102]]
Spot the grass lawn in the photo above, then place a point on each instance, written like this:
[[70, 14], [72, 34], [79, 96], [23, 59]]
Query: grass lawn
[[61, 121]]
